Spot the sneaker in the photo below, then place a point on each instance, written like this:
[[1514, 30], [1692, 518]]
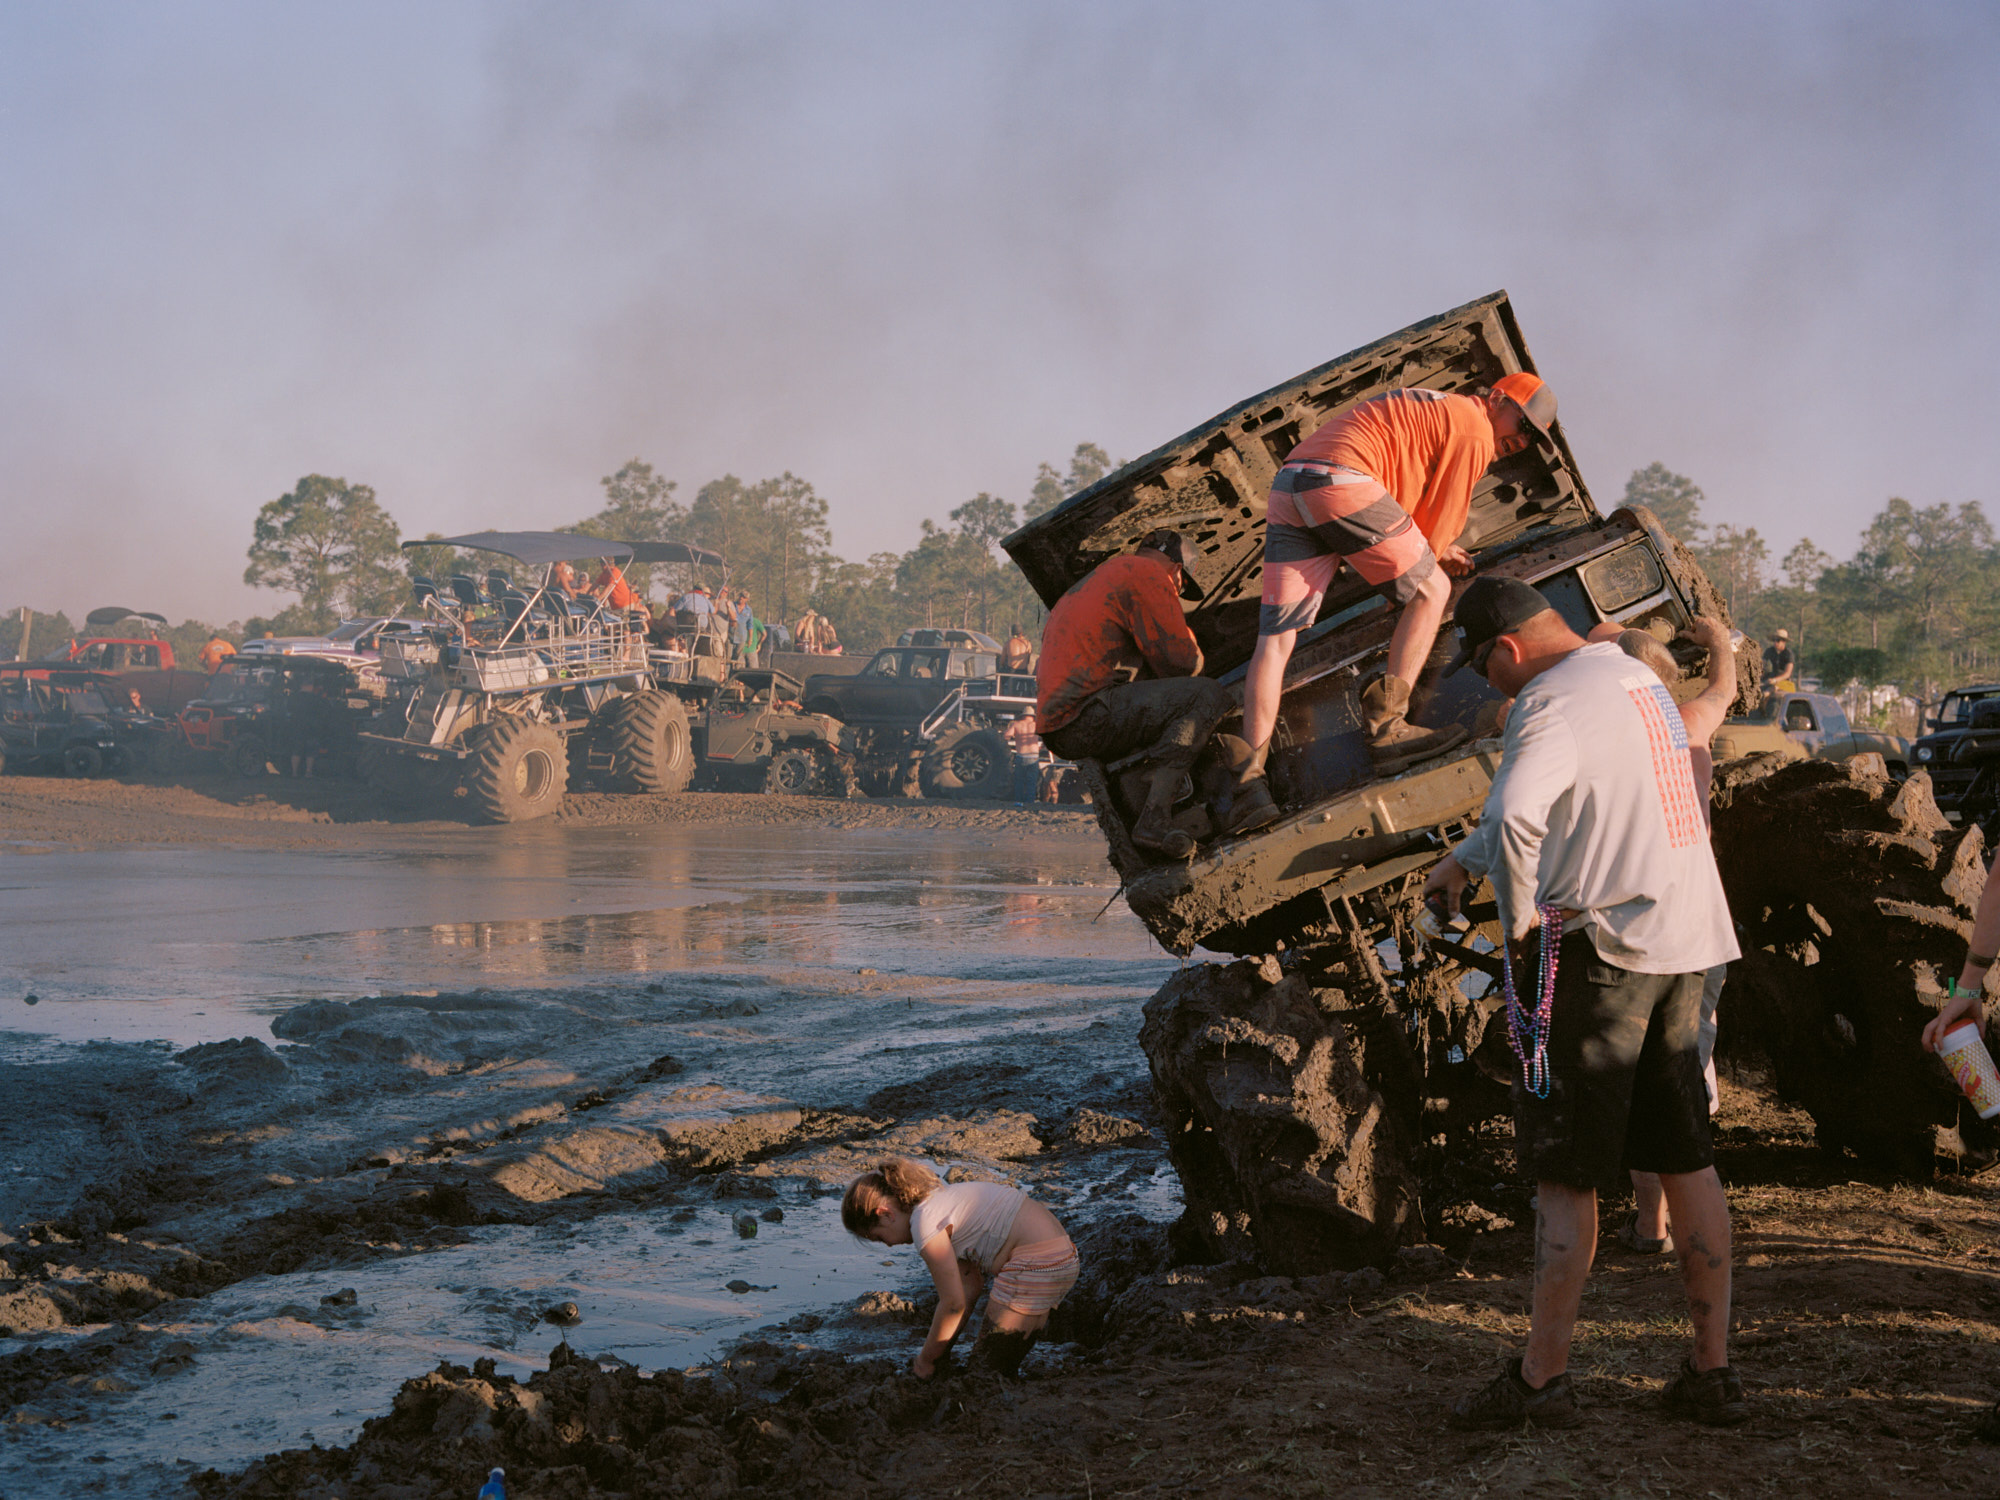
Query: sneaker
[[1711, 1397], [1629, 1237], [1509, 1401]]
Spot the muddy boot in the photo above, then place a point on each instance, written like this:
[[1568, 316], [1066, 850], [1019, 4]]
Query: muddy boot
[[1393, 741], [1002, 1350], [1154, 830], [1251, 804]]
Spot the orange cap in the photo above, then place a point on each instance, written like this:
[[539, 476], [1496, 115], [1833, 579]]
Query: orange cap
[[1532, 395]]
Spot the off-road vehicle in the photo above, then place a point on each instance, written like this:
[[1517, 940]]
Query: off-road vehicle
[[518, 689], [928, 718], [58, 720], [1351, 845], [1962, 754], [754, 735], [243, 721]]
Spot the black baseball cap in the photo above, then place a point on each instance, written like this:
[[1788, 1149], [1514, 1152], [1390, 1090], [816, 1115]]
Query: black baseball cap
[[1177, 549], [1489, 609]]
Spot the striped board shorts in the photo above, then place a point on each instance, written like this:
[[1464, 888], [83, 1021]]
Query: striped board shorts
[[1037, 1278], [1320, 515]]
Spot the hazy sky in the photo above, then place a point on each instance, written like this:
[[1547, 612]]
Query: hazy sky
[[479, 254]]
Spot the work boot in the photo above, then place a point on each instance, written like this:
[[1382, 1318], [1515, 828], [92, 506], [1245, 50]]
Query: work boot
[[1393, 741], [1251, 804], [1154, 830]]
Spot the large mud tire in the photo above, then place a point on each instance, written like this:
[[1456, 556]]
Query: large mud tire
[[971, 763], [82, 760], [1853, 898], [795, 771], [651, 748], [517, 773]]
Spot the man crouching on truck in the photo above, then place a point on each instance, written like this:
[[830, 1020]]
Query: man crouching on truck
[[1385, 487], [1125, 617]]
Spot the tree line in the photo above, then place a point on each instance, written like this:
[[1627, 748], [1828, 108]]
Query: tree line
[[333, 545], [1916, 608]]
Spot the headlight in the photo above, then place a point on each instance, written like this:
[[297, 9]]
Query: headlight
[[1923, 752]]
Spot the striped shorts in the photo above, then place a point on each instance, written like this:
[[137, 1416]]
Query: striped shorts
[[1037, 1277], [1320, 515]]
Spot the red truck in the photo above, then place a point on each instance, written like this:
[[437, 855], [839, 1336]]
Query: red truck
[[112, 642]]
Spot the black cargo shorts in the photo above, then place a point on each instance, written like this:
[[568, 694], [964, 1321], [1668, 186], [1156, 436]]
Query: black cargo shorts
[[1625, 1076]]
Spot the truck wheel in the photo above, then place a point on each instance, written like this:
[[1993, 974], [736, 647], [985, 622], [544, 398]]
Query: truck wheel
[[794, 772], [651, 749], [249, 757], [974, 764], [81, 760], [517, 773]]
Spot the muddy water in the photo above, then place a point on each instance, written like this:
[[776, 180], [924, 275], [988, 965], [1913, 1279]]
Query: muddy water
[[745, 953]]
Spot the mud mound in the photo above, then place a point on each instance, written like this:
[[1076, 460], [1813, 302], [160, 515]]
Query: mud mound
[[1854, 898], [1284, 1117], [772, 1421]]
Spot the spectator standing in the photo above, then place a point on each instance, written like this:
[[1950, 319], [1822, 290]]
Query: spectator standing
[[748, 631], [1594, 828], [807, 632], [610, 588], [213, 654], [1019, 652]]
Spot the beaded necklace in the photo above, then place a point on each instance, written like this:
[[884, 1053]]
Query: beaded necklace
[[1528, 1031]]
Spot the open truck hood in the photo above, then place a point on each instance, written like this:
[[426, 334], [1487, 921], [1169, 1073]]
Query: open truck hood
[[1211, 482]]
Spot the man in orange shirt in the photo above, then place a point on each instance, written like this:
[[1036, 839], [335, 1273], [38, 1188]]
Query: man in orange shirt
[[610, 586], [1126, 618], [1385, 487]]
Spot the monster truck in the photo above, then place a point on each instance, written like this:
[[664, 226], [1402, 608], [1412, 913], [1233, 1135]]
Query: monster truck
[[517, 690], [753, 735], [927, 717]]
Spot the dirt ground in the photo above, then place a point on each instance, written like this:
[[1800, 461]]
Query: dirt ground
[[1867, 1320]]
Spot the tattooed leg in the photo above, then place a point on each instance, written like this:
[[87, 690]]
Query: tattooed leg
[[1700, 1212], [1565, 1244]]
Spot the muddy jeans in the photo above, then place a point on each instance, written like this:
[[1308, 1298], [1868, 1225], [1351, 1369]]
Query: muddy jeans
[[1116, 721]]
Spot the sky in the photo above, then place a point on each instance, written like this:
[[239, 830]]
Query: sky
[[478, 255]]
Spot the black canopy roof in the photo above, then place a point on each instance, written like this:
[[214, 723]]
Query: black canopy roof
[[537, 548], [112, 614]]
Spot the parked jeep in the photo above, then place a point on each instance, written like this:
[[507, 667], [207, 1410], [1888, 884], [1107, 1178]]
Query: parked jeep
[[60, 722], [1343, 864], [927, 718], [753, 735], [1817, 724]]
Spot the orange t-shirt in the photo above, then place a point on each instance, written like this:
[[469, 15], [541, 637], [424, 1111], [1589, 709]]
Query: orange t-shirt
[[621, 594], [1426, 448], [1125, 613]]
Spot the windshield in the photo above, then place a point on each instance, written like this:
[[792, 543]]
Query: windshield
[[86, 701], [1957, 708]]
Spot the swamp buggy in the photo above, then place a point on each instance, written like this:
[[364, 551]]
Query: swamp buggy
[[514, 692], [1299, 1083]]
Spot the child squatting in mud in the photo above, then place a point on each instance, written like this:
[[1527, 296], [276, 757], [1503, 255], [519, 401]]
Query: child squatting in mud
[[968, 1232]]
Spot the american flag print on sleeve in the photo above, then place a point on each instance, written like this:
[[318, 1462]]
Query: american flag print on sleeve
[[1673, 773]]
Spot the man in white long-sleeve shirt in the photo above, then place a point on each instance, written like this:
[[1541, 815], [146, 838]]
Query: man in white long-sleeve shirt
[[1594, 812]]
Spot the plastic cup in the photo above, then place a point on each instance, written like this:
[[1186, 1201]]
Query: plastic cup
[[1964, 1052]]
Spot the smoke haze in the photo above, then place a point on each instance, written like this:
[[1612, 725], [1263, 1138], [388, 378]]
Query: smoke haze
[[479, 255]]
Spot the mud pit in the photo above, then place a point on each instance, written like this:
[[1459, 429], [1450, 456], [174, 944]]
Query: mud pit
[[242, 1260]]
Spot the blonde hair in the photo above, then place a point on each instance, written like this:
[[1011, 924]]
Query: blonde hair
[[1640, 646], [897, 1180]]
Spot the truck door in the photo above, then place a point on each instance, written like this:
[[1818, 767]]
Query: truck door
[[1802, 724]]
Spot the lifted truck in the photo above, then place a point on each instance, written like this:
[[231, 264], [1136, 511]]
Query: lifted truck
[[1352, 848], [516, 690], [1962, 754]]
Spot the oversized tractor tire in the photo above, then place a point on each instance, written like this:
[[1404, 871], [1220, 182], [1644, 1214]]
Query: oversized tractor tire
[[517, 772], [970, 763], [651, 749], [81, 760]]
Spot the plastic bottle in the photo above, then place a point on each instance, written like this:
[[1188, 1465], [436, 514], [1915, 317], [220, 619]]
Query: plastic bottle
[[1964, 1052], [495, 1487]]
